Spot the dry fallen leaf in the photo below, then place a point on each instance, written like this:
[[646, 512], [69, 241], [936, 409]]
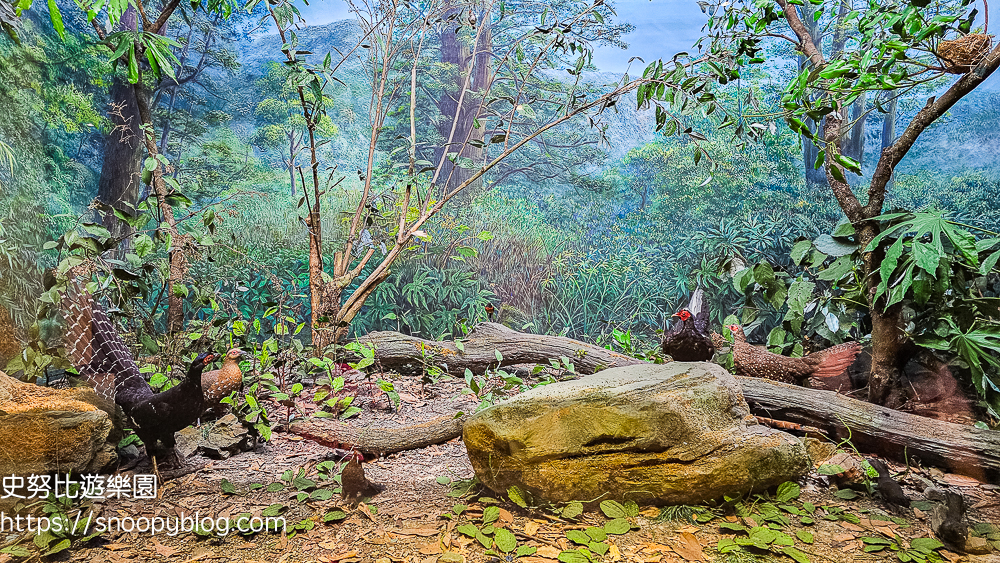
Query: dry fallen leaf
[[163, 550], [690, 529], [328, 545], [430, 548], [548, 552], [116, 546], [656, 548], [689, 548], [530, 527], [506, 516], [851, 527], [843, 537]]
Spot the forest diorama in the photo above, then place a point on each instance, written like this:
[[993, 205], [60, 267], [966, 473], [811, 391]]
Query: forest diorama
[[427, 283]]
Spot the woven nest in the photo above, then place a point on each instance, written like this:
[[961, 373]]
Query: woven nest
[[958, 56]]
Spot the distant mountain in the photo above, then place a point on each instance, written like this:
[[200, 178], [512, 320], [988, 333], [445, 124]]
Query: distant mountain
[[334, 38]]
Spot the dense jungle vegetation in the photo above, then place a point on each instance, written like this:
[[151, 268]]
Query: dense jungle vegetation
[[597, 229]]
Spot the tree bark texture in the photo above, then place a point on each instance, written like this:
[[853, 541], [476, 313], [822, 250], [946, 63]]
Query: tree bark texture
[[459, 121], [411, 355], [377, 440], [120, 181], [966, 450]]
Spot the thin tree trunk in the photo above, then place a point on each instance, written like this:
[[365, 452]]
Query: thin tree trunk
[[889, 133], [178, 259]]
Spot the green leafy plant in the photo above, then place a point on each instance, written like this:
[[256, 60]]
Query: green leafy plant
[[919, 550], [497, 540]]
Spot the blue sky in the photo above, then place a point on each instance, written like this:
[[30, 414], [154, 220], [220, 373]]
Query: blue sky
[[662, 28]]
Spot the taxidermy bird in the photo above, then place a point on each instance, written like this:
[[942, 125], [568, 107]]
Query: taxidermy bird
[[354, 484], [756, 361], [888, 488], [98, 353], [220, 383], [689, 339], [946, 521], [161, 415]]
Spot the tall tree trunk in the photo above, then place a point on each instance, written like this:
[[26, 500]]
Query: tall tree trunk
[[120, 180], [459, 122]]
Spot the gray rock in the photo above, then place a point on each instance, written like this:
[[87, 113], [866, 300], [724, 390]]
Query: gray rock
[[679, 433], [220, 439]]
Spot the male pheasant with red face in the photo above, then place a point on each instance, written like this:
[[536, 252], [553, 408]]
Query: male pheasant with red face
[[689, 339], [98, 353], [756, 361]]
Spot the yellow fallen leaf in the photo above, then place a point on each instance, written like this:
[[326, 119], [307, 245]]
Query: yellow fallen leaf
[[531, 527]]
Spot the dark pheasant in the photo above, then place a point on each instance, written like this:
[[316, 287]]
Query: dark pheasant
[[689, 339], [163, 414], [888, 488], [98, 353], [756, 361]]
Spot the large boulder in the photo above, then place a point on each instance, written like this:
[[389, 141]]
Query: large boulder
[[678, 433], [45, 430]]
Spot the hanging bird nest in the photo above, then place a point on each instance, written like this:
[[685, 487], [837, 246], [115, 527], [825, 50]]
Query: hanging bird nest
[[959, 56]]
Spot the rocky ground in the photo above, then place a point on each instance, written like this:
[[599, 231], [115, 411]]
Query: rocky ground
[[407, 522]]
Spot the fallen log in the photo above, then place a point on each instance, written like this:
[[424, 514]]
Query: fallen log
[[958, 448], [380, 441], [966, 450], [409, 355]]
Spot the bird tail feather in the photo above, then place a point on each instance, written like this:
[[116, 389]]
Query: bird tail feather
[[835, 360]]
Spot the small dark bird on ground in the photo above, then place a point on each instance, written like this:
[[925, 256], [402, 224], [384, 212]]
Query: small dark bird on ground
[[355, 485], [98, 353], [756, 361], [689, 340], [888, 488], [947, 521]]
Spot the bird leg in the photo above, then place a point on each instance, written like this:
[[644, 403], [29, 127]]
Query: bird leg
[[155, 470]]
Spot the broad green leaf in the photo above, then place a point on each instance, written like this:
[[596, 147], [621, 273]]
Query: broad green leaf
[[613, 509], [505, 540], [788, 491]]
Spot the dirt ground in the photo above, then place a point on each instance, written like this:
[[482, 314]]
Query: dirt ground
[[405, 524]]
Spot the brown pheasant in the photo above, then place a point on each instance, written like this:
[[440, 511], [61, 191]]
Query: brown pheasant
[[219, 383], [354, 484], [756, 361]]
